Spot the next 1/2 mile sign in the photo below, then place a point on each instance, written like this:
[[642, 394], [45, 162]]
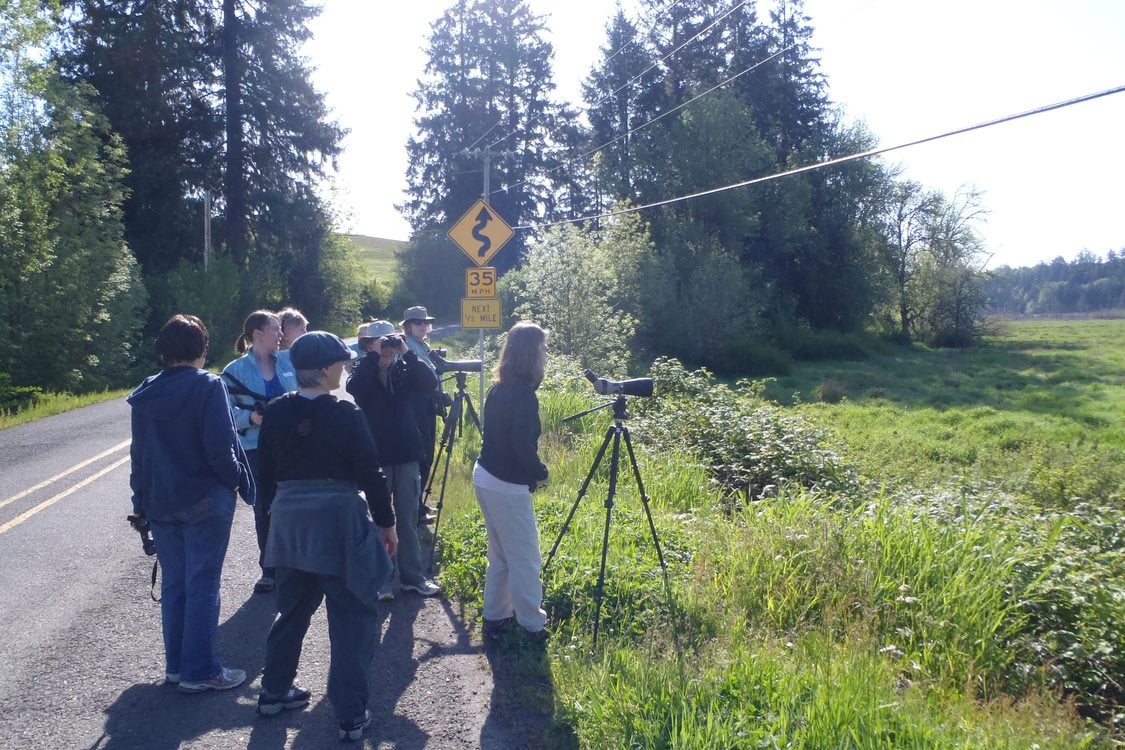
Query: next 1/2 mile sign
[[480, 312]]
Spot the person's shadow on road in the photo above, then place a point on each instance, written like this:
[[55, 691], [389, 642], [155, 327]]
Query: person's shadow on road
[[523, 692], [155, 717]]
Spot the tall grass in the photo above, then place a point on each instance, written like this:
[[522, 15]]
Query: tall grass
[[908, 608], [48, 404]]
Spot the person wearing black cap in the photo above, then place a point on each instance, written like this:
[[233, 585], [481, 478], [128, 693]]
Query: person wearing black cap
[[416, 324], [316, 455]]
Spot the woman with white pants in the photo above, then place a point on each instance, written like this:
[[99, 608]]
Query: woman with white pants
[[507, 471]]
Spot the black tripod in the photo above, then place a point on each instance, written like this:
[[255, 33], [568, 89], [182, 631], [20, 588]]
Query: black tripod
[[616, 432], [462, 404]]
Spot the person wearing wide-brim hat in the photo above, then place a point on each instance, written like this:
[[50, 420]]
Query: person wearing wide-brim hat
[[416, 324], [316, 455]]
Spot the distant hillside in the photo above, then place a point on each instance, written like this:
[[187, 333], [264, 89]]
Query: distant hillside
[[378, 255]]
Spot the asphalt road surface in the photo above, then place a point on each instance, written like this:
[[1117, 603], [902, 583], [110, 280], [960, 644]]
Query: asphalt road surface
[[81, 655]]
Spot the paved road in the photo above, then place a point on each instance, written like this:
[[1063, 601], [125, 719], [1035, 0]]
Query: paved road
[[81, 658]]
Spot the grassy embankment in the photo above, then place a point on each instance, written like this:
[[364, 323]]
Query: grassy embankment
[[377, 255], [940, 565]]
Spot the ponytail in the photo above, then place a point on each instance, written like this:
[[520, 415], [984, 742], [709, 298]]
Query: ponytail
[[255, 321]]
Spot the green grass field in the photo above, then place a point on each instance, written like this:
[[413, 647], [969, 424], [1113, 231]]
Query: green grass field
[[964, 589], [1042, 402], [378, 255]]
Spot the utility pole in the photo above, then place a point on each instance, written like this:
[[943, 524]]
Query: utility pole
[[206, 230], [486, 155]]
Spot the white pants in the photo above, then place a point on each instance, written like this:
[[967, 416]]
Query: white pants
[[511, 582]]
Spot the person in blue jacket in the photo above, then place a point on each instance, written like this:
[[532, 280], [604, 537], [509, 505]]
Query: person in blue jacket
[[253, 380], [187, 465]]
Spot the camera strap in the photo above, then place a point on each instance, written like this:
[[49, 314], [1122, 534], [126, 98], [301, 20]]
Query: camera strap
[[240, 389], [152, 588]]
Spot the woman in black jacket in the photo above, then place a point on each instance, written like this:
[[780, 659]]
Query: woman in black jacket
[[507, 471]]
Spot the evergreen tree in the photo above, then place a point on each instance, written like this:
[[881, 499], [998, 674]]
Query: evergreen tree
[[151, 67], [215, 97], [622, 95], [484, 101]]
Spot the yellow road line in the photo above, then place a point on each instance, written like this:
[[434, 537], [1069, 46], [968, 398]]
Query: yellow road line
[[71, 470], [51, 501]]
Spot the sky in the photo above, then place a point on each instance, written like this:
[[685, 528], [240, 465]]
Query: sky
[[1053, 183]]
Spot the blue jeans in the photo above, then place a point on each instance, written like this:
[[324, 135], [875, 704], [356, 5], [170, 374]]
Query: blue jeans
[[191, 547]]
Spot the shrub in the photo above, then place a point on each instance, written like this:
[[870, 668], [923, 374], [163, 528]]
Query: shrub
[[832, 390], [15, 397], [750, 445]]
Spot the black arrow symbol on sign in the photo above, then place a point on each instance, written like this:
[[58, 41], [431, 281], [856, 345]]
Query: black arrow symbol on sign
[[483, 218]]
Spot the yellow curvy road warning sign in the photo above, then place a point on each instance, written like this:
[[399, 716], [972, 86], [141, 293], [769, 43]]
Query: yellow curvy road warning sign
[[480, 233]]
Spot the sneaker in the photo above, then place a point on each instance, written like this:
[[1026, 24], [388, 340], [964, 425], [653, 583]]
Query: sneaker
[[386, 595], [493, 628], [351, 731], [171, 678], [224, 680], [294, 697], [425, 588], [264, 585], [426, 515]]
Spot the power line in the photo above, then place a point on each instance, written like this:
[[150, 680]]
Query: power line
[[651, 67], [646, 123], [834, 162], [664, 114]]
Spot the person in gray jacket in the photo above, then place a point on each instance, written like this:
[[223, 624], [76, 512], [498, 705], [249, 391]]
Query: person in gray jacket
[[326, 542]]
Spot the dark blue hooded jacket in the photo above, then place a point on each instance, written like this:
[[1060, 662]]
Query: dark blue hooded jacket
[[184, 443]]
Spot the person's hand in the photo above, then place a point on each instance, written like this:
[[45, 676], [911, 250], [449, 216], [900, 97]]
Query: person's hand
[[390, 539]]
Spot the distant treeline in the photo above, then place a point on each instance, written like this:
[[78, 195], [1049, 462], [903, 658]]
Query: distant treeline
[[1087, 284]]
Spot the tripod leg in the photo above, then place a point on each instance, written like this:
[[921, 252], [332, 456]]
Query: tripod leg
[[581, 494], [448, 435], [655, 538], [445, 442], [644, 500], [473, 413], [599, 591]]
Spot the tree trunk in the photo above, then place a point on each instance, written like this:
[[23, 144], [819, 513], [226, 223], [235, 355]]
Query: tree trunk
[[234, 180]]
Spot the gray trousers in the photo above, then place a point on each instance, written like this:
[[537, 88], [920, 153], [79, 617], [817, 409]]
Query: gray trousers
[[353, 630], [405, 487]]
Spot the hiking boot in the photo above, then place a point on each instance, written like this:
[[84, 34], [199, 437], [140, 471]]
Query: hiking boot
[[425, 588], [351, 731], [224, 680], [264, 585], [493, 628], [294, 697], [536, 636]]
